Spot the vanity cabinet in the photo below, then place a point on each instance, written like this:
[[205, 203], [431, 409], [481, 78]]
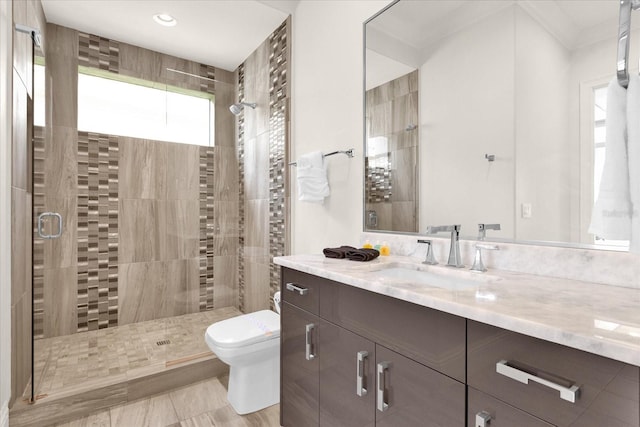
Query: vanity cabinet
[[560, 385], [354, 358], [376, 361]]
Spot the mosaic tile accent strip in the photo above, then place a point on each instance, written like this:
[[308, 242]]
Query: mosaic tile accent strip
[[241, 224], [207, 85], [378, 184], [278, 105], [97, 231], [98, 52], [38, 244], [206, 228]]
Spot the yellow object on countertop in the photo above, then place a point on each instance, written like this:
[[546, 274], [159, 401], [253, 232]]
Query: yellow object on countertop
[[367, 245], [384, 249]]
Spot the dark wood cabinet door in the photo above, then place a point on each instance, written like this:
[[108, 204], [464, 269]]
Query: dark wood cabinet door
[[499, 414], [430, 337], [415, 395], [347, 378], [299, 367]]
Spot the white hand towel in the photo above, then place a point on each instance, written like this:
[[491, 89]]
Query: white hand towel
[[611, 216], [633, 150], [313, 185]]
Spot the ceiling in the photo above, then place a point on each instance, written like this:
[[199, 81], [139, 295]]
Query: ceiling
[[414, 26], [222, 33]]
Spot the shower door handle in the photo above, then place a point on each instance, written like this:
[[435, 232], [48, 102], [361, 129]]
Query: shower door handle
[[41, 219]]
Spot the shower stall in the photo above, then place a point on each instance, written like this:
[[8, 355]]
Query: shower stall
[[148, 225]]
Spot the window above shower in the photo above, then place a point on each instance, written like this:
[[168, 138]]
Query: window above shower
[[113, 104]]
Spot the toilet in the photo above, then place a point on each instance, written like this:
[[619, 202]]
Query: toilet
[[250, 345]]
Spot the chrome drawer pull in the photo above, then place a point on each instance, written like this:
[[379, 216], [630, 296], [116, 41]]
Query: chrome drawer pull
[[382, 402], [294, 288], [483, 419], [360, 378], [568, 394], [308, 353]]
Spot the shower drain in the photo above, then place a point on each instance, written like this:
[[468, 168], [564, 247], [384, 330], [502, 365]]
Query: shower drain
[[163, 342]]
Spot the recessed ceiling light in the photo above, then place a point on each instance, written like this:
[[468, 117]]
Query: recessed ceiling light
[[165, 19]]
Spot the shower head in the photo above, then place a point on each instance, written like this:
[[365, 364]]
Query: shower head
[[237, 107]]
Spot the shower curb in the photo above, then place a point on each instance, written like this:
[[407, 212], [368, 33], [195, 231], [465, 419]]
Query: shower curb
[[48, 411]]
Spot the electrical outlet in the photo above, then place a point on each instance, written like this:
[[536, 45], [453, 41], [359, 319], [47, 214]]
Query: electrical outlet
[[526, 210]]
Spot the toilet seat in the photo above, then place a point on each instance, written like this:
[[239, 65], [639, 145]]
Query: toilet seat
[[245, 330]]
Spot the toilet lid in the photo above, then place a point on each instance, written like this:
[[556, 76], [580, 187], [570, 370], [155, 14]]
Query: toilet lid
[[246, 329]]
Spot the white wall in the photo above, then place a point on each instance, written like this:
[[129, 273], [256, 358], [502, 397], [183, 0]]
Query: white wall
[[467, 111], [543, 148], [6, 54], [327, 115]]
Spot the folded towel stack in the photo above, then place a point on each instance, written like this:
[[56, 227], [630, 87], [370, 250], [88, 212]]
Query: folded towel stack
[[339, 253], [363, 254], [351, 253]]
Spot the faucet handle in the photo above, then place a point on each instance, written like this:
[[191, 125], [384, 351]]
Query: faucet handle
[[478, 265], [482, 229], [429, 258]]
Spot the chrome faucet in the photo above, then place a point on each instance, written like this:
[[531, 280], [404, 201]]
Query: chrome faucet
[[478, 265], [454, 251], [429, 258], [482, 229]]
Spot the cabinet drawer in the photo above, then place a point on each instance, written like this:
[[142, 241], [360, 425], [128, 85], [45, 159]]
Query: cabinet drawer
[[605, 389], [431, 337], [501, 414], [301, 289]]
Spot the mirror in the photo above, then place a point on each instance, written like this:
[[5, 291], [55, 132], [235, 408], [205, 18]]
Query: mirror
[[486, 111]]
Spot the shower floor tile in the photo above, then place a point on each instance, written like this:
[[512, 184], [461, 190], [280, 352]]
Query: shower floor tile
[[113, 355]]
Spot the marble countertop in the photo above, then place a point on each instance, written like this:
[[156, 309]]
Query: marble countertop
[[596, 318]]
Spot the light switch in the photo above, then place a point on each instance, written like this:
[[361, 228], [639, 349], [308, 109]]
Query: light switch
[[526, 210]]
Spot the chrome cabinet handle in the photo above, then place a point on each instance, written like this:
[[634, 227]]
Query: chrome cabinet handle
[[309, 342], [382, 402], [483, 419], [41, 219], [360, 378], [566, 393], [294, 288]]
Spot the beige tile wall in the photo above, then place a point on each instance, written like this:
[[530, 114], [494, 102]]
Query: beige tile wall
[[391, 190], [146, 222], [263, 148]]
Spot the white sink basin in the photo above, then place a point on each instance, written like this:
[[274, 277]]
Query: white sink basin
[[446, 278]]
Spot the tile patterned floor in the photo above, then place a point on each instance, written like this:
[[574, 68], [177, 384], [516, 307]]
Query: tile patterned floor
[[203, 404], [64, 364]]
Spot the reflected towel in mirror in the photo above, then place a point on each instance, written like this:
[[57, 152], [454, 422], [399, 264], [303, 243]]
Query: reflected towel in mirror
[[611, 215], [633, 150], [313, 185]]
